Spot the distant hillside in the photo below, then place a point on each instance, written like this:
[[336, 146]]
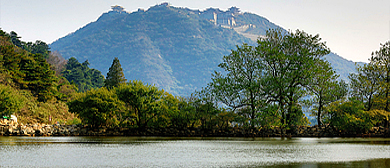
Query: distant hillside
[[342, 66], [176, 49]]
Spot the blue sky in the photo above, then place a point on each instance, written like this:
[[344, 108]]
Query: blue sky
[[351, 28]]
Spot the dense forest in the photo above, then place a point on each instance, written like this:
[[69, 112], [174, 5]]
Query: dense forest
[[30, 84], [265, 85]]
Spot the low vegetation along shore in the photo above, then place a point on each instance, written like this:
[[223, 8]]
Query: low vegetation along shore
[[8, 128], [260, 90]]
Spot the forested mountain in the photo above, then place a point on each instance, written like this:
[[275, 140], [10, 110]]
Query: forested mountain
[[176, 49]]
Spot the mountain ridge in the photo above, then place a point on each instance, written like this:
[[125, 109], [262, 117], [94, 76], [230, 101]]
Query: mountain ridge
[[174, 48]]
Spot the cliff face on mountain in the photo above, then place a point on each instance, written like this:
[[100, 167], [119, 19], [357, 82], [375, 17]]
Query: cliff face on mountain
[[176, 49]]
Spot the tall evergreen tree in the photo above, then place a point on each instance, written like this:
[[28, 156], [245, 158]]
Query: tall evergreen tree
[[40, 78], [115, 75]]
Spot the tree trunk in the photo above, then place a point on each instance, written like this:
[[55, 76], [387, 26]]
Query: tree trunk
[[387, 91], [319, 121], [252, 110]]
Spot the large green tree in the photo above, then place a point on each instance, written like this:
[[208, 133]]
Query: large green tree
[[365, 84], [40, 77], [39, 47], [97, 107], [143, 102], [325, 88], [206, 107], [10, 61], [241, 87], [381, 60], [371, 85], [288, 60], [115, 75], [180, 110]]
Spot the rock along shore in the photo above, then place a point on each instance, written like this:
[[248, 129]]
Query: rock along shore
[[18, 129]]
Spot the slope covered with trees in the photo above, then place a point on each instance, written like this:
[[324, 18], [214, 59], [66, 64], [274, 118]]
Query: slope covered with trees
[[29, 87], [173, 48]]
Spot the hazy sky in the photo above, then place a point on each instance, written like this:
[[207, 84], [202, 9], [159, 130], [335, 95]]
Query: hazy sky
[[351, 28]]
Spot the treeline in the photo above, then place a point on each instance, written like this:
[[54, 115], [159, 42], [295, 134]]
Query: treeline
[[270, 84], [274, 82]]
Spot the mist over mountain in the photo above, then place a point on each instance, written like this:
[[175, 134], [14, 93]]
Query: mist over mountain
[[174, 48]]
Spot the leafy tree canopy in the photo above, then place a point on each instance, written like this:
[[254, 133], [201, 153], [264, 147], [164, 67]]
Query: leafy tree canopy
[[97, 107], [84, 77], [241, 87], [143, 101], [275, 72]]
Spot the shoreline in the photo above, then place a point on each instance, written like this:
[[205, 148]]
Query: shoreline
[[18, 129]]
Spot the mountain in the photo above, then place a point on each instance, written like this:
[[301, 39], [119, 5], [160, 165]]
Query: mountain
[[342, 66], [174, 48]]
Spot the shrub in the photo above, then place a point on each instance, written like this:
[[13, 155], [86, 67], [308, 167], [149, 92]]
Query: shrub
[[97, 107], [350, 117], [11, 100]]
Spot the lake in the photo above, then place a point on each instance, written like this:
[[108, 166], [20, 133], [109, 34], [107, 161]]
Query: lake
[[193, 152]]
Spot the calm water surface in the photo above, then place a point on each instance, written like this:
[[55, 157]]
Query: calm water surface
[[193, 152]]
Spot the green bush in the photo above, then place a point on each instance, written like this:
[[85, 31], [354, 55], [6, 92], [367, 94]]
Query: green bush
[[97, 107], [11, 101], [73, 121], [350, 117], [269, 116]]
